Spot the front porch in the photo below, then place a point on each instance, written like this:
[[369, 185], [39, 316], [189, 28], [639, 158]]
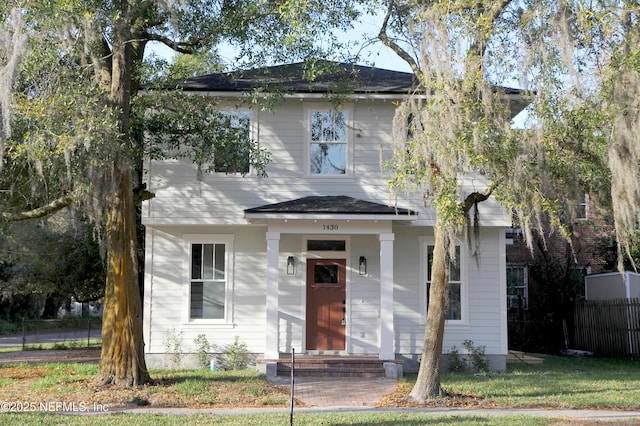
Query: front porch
[[330, 366]]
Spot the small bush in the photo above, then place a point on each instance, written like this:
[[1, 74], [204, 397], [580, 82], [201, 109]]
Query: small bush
[[455, 361], [202, 350], [236, 355], [479, 360], [172, 342]]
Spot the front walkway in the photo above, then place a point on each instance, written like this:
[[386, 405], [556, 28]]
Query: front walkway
[[338, 391]]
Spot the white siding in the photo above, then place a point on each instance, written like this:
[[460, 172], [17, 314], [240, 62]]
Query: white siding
[[184, 205], [485, 291], [167, 289]]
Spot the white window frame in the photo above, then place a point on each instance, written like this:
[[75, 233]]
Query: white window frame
[[253, 133], [310, 108], [227, 240], [525, 285], [582, 203], [425, 242]]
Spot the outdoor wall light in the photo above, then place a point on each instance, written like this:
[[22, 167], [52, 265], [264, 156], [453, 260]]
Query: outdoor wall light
[[291, 265], [362, 265]]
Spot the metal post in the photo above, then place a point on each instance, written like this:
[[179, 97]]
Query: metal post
[[293, 367], [24, 337], [88, 332]]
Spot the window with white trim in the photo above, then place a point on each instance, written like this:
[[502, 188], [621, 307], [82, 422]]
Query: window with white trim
[[235, 128], [582, 207], [209, 278], [456, 311], [328, 142], [517, 287]]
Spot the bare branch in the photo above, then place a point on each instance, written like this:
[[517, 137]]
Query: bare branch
[[52, 207], [395, 46], [180, 47]]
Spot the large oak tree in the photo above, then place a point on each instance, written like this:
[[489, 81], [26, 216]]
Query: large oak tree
[[575, 63], [74, 139]]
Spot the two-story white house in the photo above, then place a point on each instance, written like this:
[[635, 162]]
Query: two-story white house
[[317, 256]]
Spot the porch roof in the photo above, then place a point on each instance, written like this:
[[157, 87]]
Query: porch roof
[[330, 205]]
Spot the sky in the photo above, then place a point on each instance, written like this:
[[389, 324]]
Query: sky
[[378, 54]]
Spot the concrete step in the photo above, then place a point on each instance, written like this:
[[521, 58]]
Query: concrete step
[[519, 356]]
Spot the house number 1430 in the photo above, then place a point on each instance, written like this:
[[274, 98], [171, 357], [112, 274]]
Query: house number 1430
[[330, 227]]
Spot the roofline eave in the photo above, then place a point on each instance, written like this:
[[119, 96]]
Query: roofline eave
[[335, 216]]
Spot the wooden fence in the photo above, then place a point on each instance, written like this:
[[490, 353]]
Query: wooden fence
[[609, 328]]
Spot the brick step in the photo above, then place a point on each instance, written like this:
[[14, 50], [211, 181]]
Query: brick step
[[332, 367]]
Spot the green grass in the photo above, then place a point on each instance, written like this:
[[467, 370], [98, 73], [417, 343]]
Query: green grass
[[68, 344], [192, 387], [360, 419], [559, 382]]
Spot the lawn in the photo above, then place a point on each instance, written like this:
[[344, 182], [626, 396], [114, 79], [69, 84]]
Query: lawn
[[558, 383]]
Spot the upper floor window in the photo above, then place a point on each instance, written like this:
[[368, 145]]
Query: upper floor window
[[232, 148], [328, 142]]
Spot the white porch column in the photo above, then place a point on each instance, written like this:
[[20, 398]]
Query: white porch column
[[272, 320], [386, 297]]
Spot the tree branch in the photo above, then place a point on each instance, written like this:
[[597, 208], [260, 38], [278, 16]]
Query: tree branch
[[52, 207], [480, 44], [395, 46], [478, 197], [180, 47]]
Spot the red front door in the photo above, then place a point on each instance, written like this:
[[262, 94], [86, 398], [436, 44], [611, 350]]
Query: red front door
[[326, 304]]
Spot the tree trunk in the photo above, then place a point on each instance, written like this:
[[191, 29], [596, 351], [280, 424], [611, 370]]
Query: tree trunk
[[122, 359], [428, 382]]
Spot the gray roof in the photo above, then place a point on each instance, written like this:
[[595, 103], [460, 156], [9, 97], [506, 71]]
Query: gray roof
[[291, 77], [335, 77], [331, 204]]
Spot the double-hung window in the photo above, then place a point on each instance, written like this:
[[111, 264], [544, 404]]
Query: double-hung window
[[517, 287], [209, 274], [457, 310], [232, 148], [328, 146]]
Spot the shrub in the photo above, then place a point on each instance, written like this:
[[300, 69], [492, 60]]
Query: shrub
[[172, 342], [455, 362], [202, 350], [479, 360], [236, 355]]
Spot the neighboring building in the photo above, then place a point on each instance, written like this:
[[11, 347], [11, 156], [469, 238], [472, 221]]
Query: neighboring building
[[315, 257], [544, 283]]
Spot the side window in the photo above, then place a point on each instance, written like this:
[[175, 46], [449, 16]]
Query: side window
[[328, 146], [209, 278], [454, 311], [517, 287], [582, 207], [232, 152]]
